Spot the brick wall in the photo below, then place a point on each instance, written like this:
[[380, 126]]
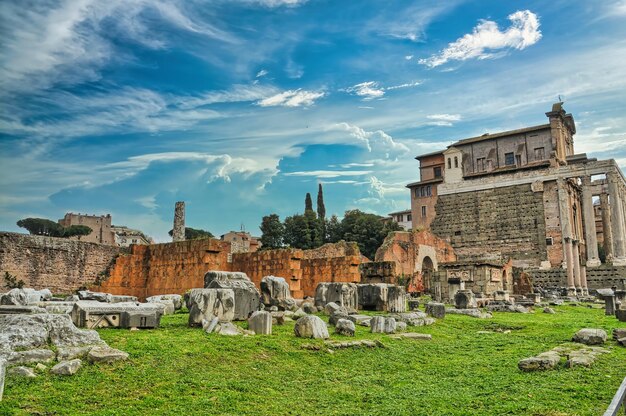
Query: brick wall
[[494, 224], [597, 277], [59, 264], [282, 263], [166, 268]]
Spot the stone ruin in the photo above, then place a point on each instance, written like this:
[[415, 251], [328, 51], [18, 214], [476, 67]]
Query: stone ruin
[[247, 296]]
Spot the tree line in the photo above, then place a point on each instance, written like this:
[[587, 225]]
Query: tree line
[[43, 226], [312, 229]]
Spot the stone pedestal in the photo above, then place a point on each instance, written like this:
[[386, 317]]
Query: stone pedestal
[[464, 299], [609, 305]]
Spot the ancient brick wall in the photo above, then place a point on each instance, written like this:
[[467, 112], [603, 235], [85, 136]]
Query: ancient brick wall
[[494, 224], [282, 263], [60, 264], [338, 262], [166, 268], [597, 277]]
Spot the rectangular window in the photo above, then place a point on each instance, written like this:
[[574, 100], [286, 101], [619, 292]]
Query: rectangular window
[[509, 159], [417, 192], [408, 217], [518, 160], [539, 153], [480, 164], [438, 172], [456, 162], [423, 210], [400, 218], [422, 191], [428, 191]]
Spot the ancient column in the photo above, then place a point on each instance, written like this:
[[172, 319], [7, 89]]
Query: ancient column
[[589, 220], [178, 232], [606, 227], [566, 234], [618, 225], [583, 280], [577, 279]]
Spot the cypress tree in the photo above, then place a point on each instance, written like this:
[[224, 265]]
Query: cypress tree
[[321, 209], [308, 203]]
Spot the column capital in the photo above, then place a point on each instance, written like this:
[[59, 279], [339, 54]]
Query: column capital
[[586, 180]]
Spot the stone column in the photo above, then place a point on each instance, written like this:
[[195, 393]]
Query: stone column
[[609, 305], [178, 232], [566, 235], [606, 227], [618, 225], [577, 279], [589, 220], [583, 280]]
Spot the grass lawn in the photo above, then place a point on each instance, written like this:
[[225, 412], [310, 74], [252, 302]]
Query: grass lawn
[[176, 370]]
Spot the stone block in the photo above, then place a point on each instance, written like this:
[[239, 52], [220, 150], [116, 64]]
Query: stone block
[[620, 314], [436, 310], [175, 298], [544, 361], [590, 336], [260, 322], [25, 296], [106, 355], [414, 304], [93, 314], [20, 371], [247, 297], [311, 326], [464, 299], [345, 327], [204, 304], [381, 297], [66, 368], [20, 309], [619, 333], [275, 292], [343, 294]]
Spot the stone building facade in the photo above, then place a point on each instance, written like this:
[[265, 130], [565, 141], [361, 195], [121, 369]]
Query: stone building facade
[[100, 225], [525, 195], [403, 218]]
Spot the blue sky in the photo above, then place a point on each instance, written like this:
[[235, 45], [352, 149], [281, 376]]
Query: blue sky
[[240, 107]]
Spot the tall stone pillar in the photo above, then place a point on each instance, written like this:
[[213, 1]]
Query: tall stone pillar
[[577, 278], [583, 280], [618, 224], [606, 227], [566, 235], [589, 220], [178, 232]]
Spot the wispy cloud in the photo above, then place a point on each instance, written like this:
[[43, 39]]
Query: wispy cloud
[[292, 98], [329, 173], [368, 90], [277, 3], [406, 85], [445, 120], [261, 73], [487, 37]]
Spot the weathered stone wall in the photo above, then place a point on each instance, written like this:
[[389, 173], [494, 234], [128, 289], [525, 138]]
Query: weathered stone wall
[[378, 272], [494, 224], [165, 268], [59, 264], [597, 277], [284, 263]]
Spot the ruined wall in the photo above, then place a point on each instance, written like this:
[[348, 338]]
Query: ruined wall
[[165, 268], [494, 224], [284, 263], [59, 264], [597, 277]]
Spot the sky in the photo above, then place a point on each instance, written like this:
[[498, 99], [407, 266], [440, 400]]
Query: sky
[[241, 107]]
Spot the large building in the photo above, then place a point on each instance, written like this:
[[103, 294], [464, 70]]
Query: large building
[[524, 195], [403, 218], [101, 231]]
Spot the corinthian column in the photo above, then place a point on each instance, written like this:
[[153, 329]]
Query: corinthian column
[[607, 235], [589, 220], [618, 226], [566, 235]]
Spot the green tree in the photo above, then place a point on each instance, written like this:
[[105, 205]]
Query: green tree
[[321, 209], [308, 203], [272, 232], [367, 230], [41, 226], [333, 229], [297, 232], [76, 230], [11, 281], [194, 233]]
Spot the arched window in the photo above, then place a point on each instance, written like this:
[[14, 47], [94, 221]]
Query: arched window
[[449, 163], [428, 190], [456, 162]]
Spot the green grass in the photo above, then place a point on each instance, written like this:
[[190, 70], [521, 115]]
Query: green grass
[[176, 370]]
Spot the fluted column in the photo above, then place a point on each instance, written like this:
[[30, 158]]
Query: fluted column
[[618, 226], [566, 233], [607, 235], [577, 279], [583, 280], [589, 220]]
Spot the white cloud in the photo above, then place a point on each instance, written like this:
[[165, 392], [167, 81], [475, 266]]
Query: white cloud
[[329, 173], [408, 57], [487, 37], [279, 3], [261, 73], [407, 85], [377, 142], [444, 120], [368, 90], [68, 41], [292, 98]]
